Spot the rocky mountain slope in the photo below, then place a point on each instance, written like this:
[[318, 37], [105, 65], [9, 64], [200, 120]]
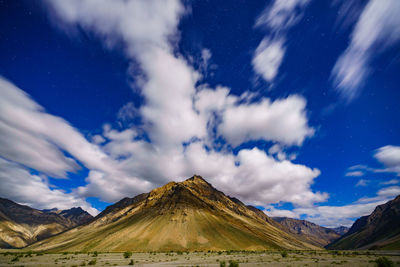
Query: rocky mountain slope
[[189, 215], [379, 230], [21, 225], [308, 231]]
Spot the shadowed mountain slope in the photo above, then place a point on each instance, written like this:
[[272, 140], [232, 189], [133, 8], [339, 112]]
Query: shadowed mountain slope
[[21, 225], [379, 230], [190, 215], [308, 231]]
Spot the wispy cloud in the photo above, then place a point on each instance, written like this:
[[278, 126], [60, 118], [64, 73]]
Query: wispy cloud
[[362, 182], [355, 173], [391, 182], [277, 18], [376, 30]]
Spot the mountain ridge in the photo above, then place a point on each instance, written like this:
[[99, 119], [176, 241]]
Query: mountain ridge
[[188, 215], [21, 225]]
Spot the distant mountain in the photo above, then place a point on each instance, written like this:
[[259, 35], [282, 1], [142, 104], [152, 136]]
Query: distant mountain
[[187, 216], [308, 231], [379, 230], [341, 230], [76, 215], [22, 225]]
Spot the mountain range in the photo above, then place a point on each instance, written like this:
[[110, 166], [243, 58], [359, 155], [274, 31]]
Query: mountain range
[[379, 230], [308, 232], [189, 215], [186, 216], [21, 225]]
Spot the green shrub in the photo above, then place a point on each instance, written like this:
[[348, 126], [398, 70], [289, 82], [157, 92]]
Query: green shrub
[[131, 263], [384, 262], [92, 262], [222, 264], [95, 254], [127, 254], [284, 254], [233, 263]]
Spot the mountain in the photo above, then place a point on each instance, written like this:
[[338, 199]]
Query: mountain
[[76, 215], [22, 225], [341, 230], [308, 232], [189, 215], [379, 230]]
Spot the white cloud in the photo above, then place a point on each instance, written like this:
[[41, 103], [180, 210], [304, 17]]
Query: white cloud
[[277, 18], [355, 173], [283, 121], [177, 116], [390, 156], [376, 29], [268, 58], [137, 23]]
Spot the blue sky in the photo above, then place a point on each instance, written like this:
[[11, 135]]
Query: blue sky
[[288, 105]]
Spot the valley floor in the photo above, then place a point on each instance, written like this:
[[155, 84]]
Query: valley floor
[[293, 258]]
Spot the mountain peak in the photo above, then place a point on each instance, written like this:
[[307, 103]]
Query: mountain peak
[[196, 178], [187, 215]]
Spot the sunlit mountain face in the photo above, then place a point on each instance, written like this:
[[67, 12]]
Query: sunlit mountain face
[[289, 106]]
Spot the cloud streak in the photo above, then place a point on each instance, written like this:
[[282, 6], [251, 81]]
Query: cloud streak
[[375, 31], [277, 18]]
